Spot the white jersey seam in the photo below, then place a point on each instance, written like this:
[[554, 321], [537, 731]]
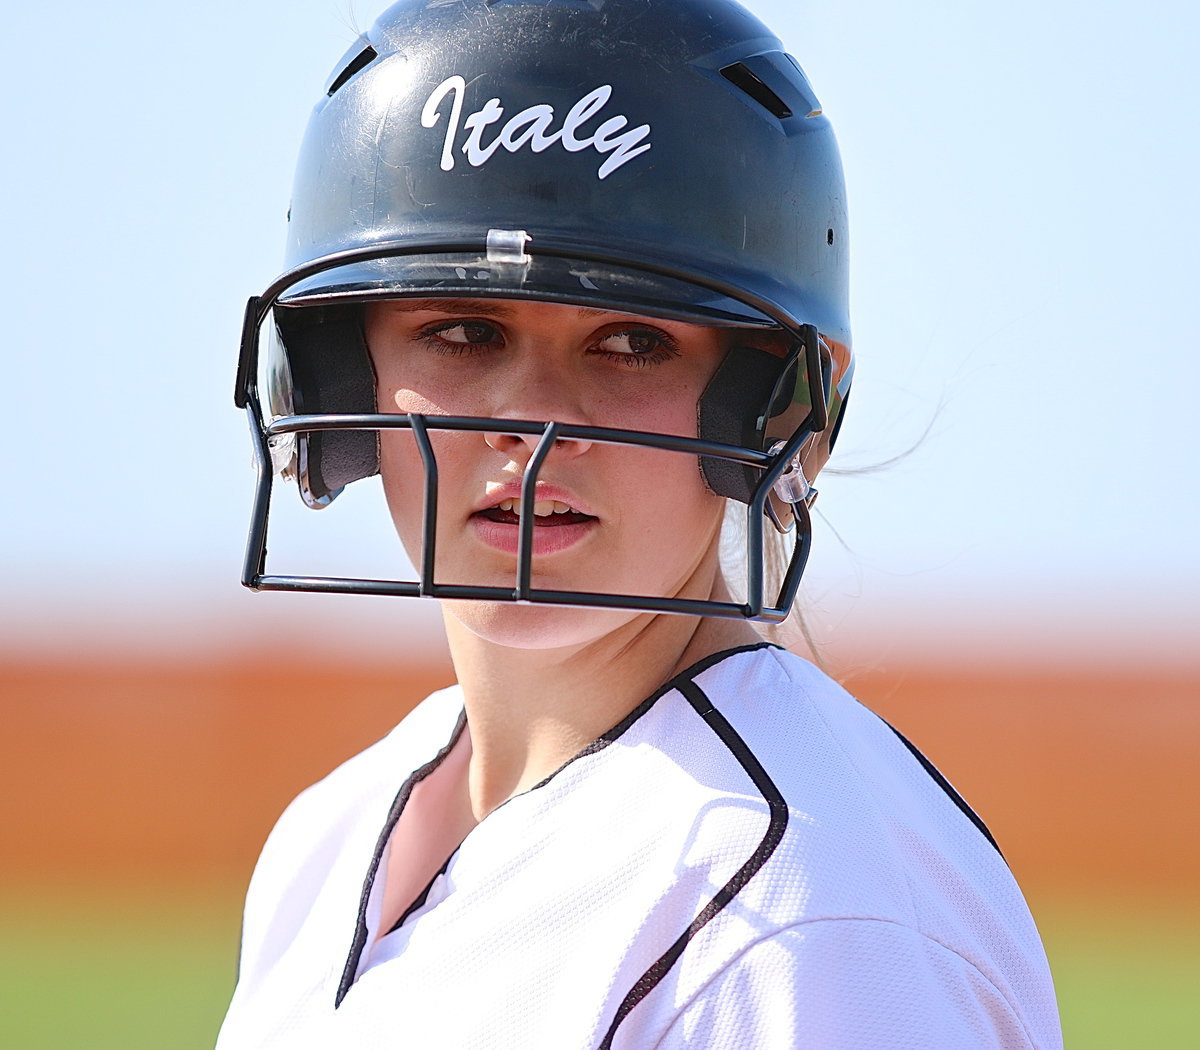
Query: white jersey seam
[[800, 923]]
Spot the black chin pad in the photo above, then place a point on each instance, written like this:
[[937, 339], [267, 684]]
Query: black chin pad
[[736, 399], [331, 373]]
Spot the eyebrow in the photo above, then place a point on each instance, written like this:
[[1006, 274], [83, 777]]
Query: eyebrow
[[473, 307]]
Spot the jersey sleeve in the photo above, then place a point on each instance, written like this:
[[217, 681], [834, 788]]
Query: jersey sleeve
[[848, 984]]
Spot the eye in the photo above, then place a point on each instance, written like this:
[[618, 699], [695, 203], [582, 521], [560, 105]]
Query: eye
[[461, 337], [466, 332], [637, 346]]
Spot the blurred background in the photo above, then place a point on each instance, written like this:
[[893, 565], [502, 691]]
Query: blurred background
[[1017, 593]]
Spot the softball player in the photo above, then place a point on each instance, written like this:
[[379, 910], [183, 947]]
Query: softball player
[[570, 275]]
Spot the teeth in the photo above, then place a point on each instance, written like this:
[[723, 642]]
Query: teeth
[[542, 508]]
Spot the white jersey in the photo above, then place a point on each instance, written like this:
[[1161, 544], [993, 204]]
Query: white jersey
[[751, 859]]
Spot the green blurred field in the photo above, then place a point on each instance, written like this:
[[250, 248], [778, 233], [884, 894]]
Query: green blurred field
[[110, 973], [1124, 979], [113, 974]]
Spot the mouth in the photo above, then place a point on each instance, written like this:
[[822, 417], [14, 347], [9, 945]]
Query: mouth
[[548, 513]]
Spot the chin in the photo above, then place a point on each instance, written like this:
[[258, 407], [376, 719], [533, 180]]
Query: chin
[[535, 626]]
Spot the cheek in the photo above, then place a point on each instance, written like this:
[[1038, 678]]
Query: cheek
[[396, 392], [407, 380], [400, 463], [667, 511], [654, 407], [457, 458], [403, 485]]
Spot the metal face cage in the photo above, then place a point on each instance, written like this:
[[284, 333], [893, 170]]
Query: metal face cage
[[780, 466]]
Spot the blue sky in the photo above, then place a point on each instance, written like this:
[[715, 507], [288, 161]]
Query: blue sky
[[1024, 234]]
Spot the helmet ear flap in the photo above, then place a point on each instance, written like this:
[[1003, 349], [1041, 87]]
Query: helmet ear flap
[[734, 409], [755, 400], [331, 373]]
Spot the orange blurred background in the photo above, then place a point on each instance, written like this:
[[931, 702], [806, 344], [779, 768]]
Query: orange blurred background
[[160, 771]]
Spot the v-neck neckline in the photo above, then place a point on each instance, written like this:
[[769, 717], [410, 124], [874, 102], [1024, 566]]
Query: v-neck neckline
[[362, 933]]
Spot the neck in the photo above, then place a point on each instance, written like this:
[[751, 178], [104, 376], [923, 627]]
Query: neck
[[531, 710]]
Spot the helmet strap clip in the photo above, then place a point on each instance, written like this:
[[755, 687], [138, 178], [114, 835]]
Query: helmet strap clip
[[792, 487]]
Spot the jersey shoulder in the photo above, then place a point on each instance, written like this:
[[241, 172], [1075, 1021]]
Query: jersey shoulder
[[333, 819], [854, 984], [871, 834], [873, 827], [838, 765], [414, 741]]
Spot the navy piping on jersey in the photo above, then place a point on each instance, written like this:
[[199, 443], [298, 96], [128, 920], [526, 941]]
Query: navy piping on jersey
[[401, 800], [679, 681], [776, 826], [423, 896], [686, 675], [947, 787]]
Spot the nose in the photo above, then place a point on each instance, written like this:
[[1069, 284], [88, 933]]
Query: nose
[[544, 391], [524, 444]]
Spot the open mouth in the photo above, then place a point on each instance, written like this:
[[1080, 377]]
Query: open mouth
[[546, 513]]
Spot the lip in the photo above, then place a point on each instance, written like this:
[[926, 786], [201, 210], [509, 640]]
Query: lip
[[506, 538]]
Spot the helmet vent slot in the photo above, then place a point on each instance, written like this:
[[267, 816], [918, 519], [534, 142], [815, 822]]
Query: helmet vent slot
[[743, 77], [356, 65]]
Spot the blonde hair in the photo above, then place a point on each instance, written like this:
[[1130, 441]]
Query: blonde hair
[[792, 633]]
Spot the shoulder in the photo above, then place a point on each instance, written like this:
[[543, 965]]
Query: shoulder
[[338, 818], [754, 681], [873, 828], [855, 984], [414, 741], [860, 847], [856, 794], [769, 694]]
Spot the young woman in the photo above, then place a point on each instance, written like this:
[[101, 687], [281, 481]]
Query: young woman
[[571, 277]]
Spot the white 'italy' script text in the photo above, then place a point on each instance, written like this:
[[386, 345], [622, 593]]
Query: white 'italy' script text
[[531, 127]]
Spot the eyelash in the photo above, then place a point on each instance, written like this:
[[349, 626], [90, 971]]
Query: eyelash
[[431, 337], [666, 349]]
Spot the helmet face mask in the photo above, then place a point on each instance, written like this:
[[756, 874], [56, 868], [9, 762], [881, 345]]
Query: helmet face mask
[[691, 179]]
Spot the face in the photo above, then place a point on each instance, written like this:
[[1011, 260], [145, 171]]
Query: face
[[608, 518]]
